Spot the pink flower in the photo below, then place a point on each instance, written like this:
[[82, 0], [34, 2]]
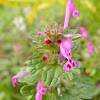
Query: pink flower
[[65, 49], [38, 96], [69, 64], [70, 1], [44, 58], [89, 44], [84, 33], [40, 91], [39, 86], [14, 79], [91, 48], [47, 42], [67, 44], [70, 9], [76, 13], [17, 47], [15, 82], [43, 91], [75, 64]]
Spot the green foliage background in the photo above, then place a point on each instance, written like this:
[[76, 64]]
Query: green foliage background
[[41, 13]]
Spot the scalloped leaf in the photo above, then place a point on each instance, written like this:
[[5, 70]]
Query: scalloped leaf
[[28, 78], [48, 96], [66, 30], [68, 76], [54, 25], [52, 76], [76, 36], [34, 57], [76, 56], [36, 37], [75, 45], [38, 40], [28, 90], [83, 87], [69, 31], [66, 96]]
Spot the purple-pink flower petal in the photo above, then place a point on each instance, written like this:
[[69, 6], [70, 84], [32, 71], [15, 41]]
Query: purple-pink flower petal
[[67, 66], [70, 1], [39, 86], [84, 33], [76, 13], [67, 44], [90, 45], [38, 96], [14, 78], [66, 53], [75, 64], [65, 49], [70, 8], [43, 91], [90, 48], [15, 82]]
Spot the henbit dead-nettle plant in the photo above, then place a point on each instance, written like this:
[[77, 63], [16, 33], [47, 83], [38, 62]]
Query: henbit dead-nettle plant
[[53, 72]]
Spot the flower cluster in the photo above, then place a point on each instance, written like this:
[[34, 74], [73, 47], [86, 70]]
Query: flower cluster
[[40, 91], [70, 9], [65, 51], [89, 44]]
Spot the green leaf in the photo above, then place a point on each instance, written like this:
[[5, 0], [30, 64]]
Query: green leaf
[[52, 76], [34, 57], [38, 40], [35, 44], [28, 78], [28, 90], [48, 96], [76, 36], [46, 47], [68, 76], [73, 31], [75, 46], [83, 87], [66, 30], [66, 96], [75, 71], [33, 62], [32, 97], [76, 56], [69, 31], [54, 25], [36, 37], [37, 68]]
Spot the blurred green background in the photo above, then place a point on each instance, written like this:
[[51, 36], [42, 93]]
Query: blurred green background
[[19, 18]]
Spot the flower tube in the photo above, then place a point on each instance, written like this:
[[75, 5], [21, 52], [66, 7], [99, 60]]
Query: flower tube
[[70, 9]]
